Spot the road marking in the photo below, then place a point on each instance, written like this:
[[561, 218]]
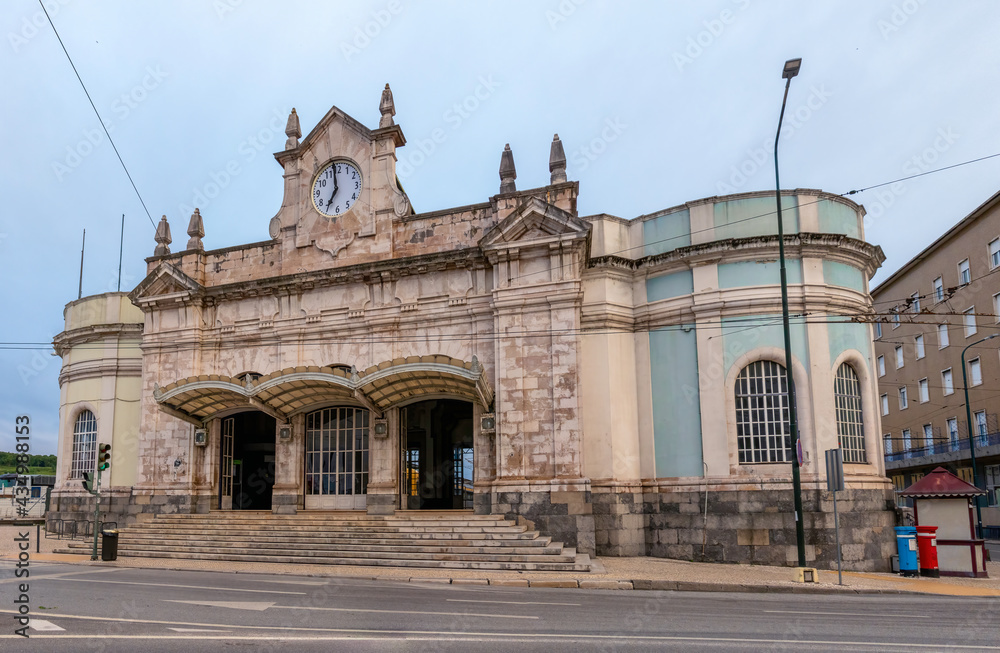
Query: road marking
[[853, 614], [198, 630], [512, 602], [443, 614], [259, 606], [39, 577], [186, 587], [41, 624], [371, 633]]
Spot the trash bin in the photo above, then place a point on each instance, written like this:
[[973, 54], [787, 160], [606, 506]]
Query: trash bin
[[906, 543], [109, 545], [927, 550]]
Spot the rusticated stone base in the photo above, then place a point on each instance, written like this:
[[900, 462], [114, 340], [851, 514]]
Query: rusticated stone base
[[120, 506], [566, 517], [381, 504], [619, 523], [284, 504], [758, 527]]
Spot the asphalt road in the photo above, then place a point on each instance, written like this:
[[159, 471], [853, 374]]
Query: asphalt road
[[83, 608]]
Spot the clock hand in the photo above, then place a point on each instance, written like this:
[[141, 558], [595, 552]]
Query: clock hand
[[335, 189]]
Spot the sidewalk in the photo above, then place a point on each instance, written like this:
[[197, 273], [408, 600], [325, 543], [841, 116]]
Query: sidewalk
[[611, 573]]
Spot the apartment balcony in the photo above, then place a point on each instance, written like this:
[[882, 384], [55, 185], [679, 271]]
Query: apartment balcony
[[947, 451]]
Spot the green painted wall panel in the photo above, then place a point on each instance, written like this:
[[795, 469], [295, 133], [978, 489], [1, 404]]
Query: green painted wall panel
[[846, 335], [669, 285], [758, 273], [835, 218], [666, 233], [744, 334], [673, 356], [836, 273], [755, 217]]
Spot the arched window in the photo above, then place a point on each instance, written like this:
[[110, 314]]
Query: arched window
[[850, 425], [763, 434], [84, 444]]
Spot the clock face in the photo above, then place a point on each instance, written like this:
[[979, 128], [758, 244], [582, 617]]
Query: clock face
[[336, 188]]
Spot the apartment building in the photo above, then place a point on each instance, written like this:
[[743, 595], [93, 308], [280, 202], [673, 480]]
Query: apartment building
[[941, 304]]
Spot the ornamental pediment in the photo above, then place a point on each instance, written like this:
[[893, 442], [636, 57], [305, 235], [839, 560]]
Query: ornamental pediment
[[164, 282], [535, 222]]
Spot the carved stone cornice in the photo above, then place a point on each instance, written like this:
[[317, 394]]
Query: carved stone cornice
[[95, 332]]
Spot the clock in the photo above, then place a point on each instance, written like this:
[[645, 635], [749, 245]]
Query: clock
[[336, 188]]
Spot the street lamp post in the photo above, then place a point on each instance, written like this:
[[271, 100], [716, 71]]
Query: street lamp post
[[791, 70], [972, 440]]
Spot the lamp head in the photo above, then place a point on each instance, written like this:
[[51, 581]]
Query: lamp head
[[791, 68]]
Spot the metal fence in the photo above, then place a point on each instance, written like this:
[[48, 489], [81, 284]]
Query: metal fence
[[961, 443]]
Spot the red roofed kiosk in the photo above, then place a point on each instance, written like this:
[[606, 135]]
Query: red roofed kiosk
[[944, 500]]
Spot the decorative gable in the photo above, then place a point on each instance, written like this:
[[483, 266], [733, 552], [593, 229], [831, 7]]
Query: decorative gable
[[165, 282], [535, 222]]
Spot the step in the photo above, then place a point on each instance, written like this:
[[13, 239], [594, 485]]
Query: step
[[281, 547], [320, 539], [579, 565]]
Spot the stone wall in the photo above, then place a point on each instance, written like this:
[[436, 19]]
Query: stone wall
[[758, 527], [122, 506], [565, 516]]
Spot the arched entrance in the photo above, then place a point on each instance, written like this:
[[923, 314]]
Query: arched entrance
[[336, 458], [437, 455], [246, 478]]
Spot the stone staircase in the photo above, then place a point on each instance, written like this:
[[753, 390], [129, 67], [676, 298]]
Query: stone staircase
[[436, 540]]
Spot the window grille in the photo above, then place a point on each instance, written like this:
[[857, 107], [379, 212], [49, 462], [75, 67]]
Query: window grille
[[84, 444], [850, 425], [763, 432]]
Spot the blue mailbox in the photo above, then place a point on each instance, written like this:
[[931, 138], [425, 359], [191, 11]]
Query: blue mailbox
[[906, 542]]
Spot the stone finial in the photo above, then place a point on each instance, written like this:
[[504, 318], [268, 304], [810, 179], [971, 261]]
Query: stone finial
[[557, 161], [387, 108], [196, 229], [162, 238], [507, 172], [292, 131]]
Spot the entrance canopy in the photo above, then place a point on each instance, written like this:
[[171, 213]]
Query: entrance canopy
[[197, 399]]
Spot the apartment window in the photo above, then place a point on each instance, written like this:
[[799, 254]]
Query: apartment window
[[946, 383], [924, 391], [994, 253], [964, 274], [878, 329], [906, 439], [899, 356], [939, 289], [919, 342], [953, 429], [928, 435], [996, 306], [902, 398], [763, 433], [942, 336], [895, 318], [915, 302], [970, 321], [885, 404], [850, 425], [887, 438], [881, 365], [965, 473], [975, 372], [84, 444], [980, 422]]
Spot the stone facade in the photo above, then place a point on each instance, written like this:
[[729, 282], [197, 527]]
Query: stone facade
[[510, 357]]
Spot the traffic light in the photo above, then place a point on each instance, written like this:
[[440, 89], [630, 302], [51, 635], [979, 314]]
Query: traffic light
[[88, 482], [103, 457]]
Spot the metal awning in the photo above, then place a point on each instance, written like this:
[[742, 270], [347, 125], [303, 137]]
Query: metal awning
[[293, 390]]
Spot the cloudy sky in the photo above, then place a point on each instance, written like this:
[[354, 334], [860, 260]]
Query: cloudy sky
[[657, 103]]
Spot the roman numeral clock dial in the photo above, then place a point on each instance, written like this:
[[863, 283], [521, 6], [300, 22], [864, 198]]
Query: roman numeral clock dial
[[336, 188]]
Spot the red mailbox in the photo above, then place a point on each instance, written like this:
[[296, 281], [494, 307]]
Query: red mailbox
[[927, 551]]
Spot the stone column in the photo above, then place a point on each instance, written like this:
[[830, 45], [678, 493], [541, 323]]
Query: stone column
[[288, 452], [383, 467]]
